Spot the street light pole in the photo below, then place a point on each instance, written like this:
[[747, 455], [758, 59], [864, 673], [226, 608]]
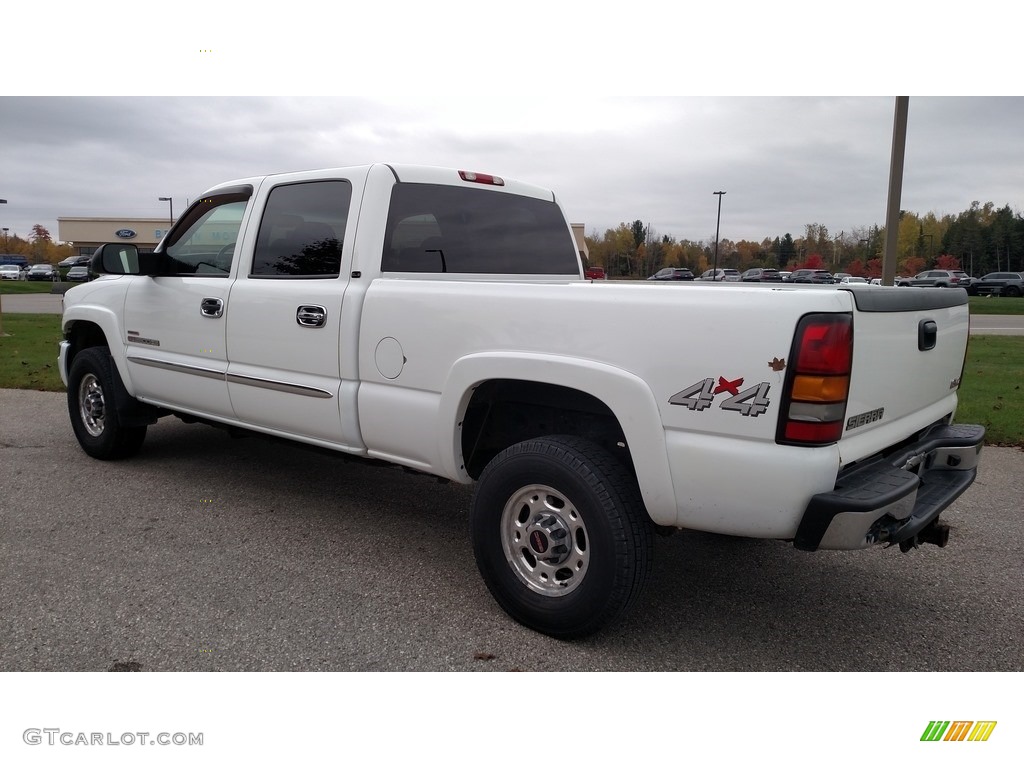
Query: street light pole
[[170, 202], [718, 221]]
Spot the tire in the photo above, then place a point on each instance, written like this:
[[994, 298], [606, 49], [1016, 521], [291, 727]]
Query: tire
[[571, 500], [1012, 291], [94, 386]]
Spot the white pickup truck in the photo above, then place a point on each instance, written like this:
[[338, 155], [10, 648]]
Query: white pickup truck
[[439, 320]]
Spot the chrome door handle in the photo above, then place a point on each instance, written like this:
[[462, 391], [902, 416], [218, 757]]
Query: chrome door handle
[[211, 307], [311, 316]]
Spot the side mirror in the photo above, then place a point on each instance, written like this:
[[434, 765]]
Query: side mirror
[[115, 259]]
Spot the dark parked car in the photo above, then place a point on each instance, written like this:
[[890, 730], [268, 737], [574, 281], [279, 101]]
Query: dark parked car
[[759, 275], [42, 272], [75, 261], [818, 276], [77, 274], [672, 273], [998, 284]]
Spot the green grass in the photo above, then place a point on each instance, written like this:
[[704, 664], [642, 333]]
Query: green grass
[[28, 352], [25, 286], [996, 305], [990, 394]]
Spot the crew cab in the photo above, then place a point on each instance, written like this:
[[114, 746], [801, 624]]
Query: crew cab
[[439, 320]]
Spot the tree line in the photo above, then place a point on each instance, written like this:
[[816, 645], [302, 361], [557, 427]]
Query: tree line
[[38, 247], [979, 240]]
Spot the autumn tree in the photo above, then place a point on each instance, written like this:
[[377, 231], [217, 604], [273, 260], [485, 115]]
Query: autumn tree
[[855, 268], [813, 261]]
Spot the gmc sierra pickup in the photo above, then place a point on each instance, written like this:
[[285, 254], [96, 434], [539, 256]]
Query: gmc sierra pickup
[[440, 320]]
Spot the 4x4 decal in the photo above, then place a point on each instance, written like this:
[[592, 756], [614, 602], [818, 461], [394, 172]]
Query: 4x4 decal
[[752, 401]]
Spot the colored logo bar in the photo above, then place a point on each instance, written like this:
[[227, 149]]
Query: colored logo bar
[[958, 730]]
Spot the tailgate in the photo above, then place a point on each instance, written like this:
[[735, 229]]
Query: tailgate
[[908, 356]]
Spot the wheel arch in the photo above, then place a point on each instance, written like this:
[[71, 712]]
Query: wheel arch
[[589, 399], [97, 327]]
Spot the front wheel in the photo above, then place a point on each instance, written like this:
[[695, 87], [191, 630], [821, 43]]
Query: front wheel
[[93, 382], [560, 535]]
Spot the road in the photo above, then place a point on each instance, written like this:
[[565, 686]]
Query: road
[[208, 553]]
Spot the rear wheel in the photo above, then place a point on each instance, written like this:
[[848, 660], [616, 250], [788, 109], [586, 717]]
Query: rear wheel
[[1012, 290], [560, 535], [93, 384]]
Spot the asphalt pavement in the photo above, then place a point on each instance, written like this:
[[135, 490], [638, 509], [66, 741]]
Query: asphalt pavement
[[211, 553]]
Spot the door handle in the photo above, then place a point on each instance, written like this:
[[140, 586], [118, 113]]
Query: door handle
[[211, 307], [311, 316]]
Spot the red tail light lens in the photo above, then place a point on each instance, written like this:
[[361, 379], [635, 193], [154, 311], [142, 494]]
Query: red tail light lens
[[818, 382]]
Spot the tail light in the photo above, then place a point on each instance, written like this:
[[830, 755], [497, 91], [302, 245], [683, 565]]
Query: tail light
[[818, 382]]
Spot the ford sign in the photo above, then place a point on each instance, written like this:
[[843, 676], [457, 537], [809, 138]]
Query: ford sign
[[127, 234]]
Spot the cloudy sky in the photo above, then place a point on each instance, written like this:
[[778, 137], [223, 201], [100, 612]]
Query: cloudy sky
[[621, 113]]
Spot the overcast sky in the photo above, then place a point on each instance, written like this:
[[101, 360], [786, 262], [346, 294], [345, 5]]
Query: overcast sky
[[619, 113]]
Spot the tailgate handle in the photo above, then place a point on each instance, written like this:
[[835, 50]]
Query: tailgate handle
[[927, 333]]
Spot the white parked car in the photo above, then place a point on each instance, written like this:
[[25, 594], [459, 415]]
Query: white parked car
[[11, 272], [721, 276]]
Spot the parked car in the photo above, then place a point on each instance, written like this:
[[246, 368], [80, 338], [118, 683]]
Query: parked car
[[876, 281], [937, 278], [721, 275], [11, 272], [74, 261], [42, 272], [817, 276], [838, 276], [784, 275], [595, 273], [759, 275], [998, 284], [848, 279], [77, 274], [672, 273]]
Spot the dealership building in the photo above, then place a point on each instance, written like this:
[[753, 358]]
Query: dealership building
[[87, 234]]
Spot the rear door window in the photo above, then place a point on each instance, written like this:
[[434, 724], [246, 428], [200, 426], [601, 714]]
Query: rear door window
[[302, 230]]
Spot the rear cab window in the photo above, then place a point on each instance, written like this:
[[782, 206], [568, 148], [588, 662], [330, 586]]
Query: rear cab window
[[434, 228]]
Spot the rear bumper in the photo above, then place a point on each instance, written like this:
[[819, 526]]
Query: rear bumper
[[891, 500]]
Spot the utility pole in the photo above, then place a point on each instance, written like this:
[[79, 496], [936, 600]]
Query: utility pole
[[892, 216], [718, 221]]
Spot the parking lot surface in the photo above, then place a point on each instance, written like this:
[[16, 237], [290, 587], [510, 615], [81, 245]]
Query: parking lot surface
[[212, 553]]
